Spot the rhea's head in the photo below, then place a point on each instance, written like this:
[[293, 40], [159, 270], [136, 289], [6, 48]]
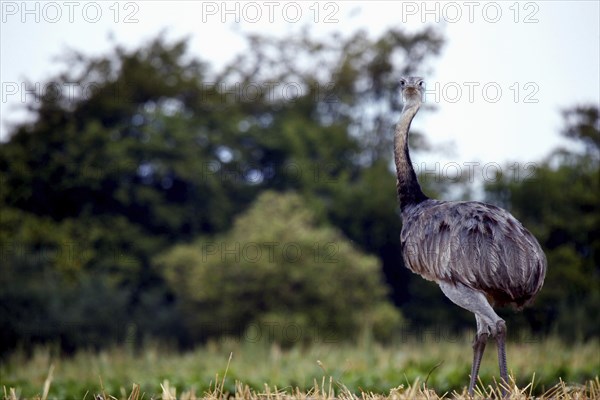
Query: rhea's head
[[413, 89]]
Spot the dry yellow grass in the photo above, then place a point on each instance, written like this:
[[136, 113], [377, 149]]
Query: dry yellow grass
[[329, 390]]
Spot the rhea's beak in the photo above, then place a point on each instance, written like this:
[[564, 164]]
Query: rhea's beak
[[411, 93]]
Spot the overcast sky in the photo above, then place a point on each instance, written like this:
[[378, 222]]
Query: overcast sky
[[506, 71]]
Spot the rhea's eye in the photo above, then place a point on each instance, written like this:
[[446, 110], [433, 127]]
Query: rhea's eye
[[402, 82], [421, 84]]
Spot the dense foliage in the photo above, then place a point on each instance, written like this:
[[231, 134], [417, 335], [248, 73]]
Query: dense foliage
[[108, 194], [281, 275], [559, 201]]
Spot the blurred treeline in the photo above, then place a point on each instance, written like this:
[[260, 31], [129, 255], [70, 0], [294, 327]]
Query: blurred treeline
[[154, 197]]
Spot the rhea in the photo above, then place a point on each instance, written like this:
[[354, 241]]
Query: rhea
[[478, 254]]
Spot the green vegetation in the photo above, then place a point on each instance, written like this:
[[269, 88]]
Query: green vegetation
[[278, 261], [104, 184], [362, 368], [558, 199]]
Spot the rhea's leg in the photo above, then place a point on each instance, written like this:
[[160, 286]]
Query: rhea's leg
[[500, 340], [478, 349], [488, 324]]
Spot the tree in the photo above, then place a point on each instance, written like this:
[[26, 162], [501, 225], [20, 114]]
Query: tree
[[560, 204], [278, 269], [153, 149]]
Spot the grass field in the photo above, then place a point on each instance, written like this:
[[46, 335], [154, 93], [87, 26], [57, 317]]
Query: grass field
[[411, 369]]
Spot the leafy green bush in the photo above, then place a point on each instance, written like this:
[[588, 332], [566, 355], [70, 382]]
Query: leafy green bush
[[278, 276]]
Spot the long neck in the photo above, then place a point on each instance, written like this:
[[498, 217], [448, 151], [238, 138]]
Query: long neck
[[407, 185]]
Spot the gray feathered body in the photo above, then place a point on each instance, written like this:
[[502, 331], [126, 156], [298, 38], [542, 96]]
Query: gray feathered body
[[479, 245]]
